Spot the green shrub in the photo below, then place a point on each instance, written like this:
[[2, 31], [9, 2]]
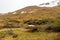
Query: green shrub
[[15, 35], [56, 25], [37, 22], [44, 24], [12, 24], [10, 32], [2, 34], [48, 28]]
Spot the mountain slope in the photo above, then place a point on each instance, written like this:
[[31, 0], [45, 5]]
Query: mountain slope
[[30, 12]]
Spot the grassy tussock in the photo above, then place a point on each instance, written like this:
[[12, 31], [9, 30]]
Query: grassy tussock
[[22, 35]]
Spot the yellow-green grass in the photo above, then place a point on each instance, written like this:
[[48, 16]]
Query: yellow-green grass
[[23, 35]]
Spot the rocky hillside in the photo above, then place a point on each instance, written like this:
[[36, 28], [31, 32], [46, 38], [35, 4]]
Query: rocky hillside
[[17, 18]]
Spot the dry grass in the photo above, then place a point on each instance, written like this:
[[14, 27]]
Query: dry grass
[[41, 13], [22, 35]]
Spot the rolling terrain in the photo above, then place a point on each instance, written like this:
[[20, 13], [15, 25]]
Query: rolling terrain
[[31, 23]]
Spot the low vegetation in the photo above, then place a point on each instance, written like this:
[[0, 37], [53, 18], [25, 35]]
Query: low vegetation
[[19, 34], [42, 24]]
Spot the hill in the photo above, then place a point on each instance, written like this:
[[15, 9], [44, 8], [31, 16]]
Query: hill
[[31, 15], [31, 23]]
